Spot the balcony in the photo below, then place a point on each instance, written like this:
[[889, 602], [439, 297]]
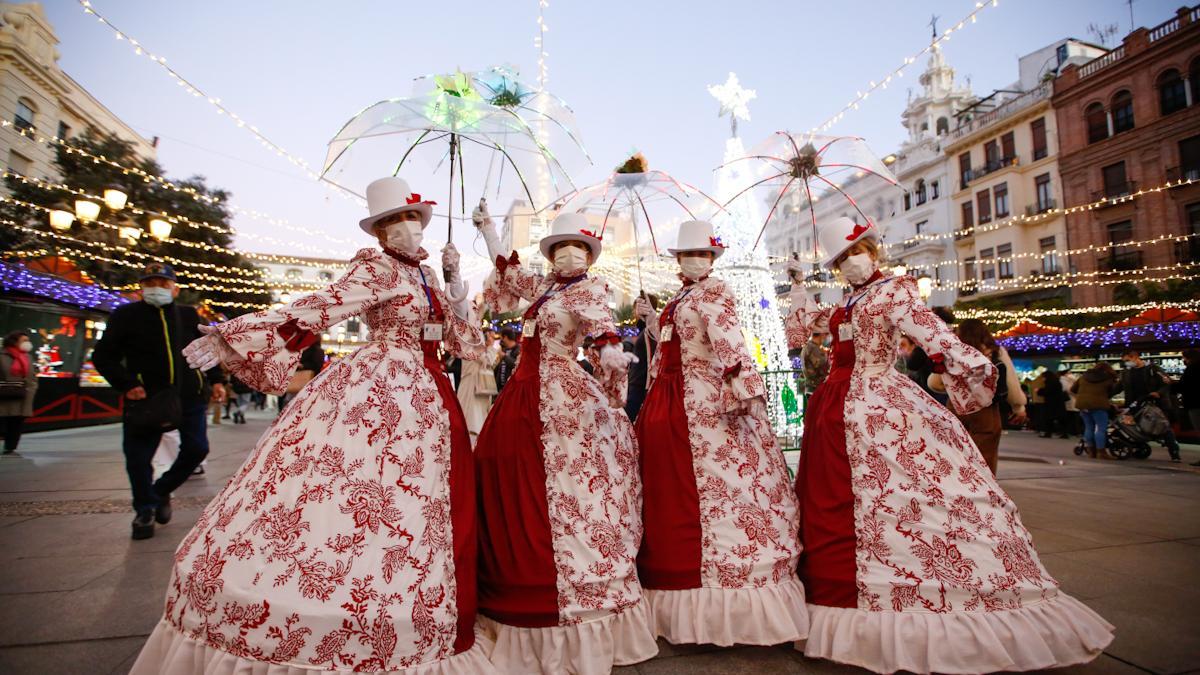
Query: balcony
[[964, 232], [1184, 173], [994, 166], [1100, 62], [1121, 261], [1009, 108], [1115, 191], [1038, 209]]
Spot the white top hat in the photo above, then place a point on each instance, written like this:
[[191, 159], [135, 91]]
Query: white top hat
[[697, 235], [391, 195], [837, 235], [571, 227]]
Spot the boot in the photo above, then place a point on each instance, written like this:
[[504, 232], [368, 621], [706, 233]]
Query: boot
[[143, 525], [1091, 451]]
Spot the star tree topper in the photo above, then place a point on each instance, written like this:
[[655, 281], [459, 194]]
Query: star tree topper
[[733, 99]]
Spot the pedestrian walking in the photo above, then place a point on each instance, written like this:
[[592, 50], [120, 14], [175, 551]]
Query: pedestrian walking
[[1072, 419], [1093, 397], [242, 397], [477, 388], [718, 564], [1141, 380], [1054, 405], [557, 466], [18, 385], [986, 424], [347, 541], [914, 557], [511, 352], [1189, 390], [141, 355]]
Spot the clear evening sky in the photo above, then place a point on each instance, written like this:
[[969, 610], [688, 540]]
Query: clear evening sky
[[635, 73]]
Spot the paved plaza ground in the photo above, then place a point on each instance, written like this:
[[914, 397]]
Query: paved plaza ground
[[78, 596]]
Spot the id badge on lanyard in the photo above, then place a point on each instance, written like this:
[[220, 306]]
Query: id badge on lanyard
[[529, 327], [432, 330], [845, 330], [666, 333]]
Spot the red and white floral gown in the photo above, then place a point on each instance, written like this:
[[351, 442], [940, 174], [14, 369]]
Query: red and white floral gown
[[347, 541], [914, 557], [718, 558], [559, 495]]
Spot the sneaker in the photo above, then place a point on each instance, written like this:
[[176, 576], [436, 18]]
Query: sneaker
[[143, 525], [162, 514], [10, 453]]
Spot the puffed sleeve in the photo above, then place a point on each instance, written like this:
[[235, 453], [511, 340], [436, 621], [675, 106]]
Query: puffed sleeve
[[805, 319], [461, 336], [741, 379], [264, 348], [509, 284], [968, 375], [589, 301]]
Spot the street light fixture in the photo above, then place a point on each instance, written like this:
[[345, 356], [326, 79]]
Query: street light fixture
[[115, 197], [924, 287], [61, 219], [86, 211], [129, 233], [160, 229]]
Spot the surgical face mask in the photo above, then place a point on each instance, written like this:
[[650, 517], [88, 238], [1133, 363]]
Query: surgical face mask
[[405, 236], [857, 268], [25, 346], [570, 259], [694, 268], [157, 296]]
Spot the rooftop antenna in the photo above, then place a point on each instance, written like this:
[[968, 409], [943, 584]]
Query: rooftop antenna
[[933, 27]]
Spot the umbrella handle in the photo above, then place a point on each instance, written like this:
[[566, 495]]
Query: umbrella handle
[[450, 203]]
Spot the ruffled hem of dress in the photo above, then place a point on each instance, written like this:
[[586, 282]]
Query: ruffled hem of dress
[[581, 649], [169, 651], [725, 617], [1050, 634]]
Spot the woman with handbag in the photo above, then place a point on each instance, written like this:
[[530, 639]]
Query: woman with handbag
[[347, 541], [17, 388]]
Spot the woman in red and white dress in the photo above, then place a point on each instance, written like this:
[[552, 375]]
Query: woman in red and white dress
[[718, 558], [914, 557], [556, 464], [347, 541]]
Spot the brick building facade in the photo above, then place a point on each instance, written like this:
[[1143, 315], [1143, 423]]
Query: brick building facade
[[1130, 121]]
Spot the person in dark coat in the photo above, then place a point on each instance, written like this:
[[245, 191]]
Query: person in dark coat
[[1054, 407], [1142, 380], [141, 354], [511, 345], [1188, 389], [16, 366]]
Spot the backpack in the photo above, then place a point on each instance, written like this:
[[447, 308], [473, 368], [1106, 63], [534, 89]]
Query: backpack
[[1153, 422]]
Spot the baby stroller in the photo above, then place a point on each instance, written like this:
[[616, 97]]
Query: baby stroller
[[1131, 430]]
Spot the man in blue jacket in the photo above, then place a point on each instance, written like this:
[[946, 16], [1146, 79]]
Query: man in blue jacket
[[141, 354]]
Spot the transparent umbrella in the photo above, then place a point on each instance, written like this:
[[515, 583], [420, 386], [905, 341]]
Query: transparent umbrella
[[815, 167], [643, 195], [447, 129]]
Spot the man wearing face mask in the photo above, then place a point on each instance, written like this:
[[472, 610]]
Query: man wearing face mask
[[141, 354], [886, 473], [704, 424], [557, 473]]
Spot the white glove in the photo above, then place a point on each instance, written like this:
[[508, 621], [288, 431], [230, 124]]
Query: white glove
[[614, 358], [752, 406], [450, 262], [642, 309], [204, 353], [487, 228]]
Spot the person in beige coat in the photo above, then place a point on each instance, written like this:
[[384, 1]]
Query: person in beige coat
[[16, 367]]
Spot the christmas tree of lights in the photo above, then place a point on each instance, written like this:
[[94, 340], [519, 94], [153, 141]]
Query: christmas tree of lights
[[746, 269]]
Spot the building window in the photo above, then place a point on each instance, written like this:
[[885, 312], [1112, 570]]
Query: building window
[[920, 227], [1172, 93], [325, 275], [1115, 184], [24, 118], [1192, 249], [1037, 129], [907, 200], [1008, 149], [353, 326], [991, 155], [968, 215], [1045, 196], [1189, 159], [964, 170], [934, 189], [64, 131], [18, 163], [1049, 251], [1193, 79], [922, 194], [1097, 122], [1122, 111], [1005, 263], [984, 200], [1061, 54], [987, 270], [968, 287], [1120, 257], [1000, 193], [293, 274], [943, 126]]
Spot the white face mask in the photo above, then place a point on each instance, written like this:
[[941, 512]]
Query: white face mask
[[159, 297], [25, 346], [405, 236], [694, 268], [857, 268], [570, 259]]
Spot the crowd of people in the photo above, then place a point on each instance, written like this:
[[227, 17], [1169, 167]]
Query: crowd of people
[[449, 500]]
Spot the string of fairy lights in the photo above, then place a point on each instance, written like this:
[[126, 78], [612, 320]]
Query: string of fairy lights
[[192, 89]]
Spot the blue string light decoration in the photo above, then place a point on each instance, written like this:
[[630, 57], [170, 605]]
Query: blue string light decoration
[[21, 279]]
